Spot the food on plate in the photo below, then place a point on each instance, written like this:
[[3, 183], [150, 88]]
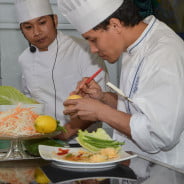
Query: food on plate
[[109, 152], [97, 158], [93, 141], [81, 155], [94, 148], [18, 121], [22, 116], [17, 112], [45, 124], [62, 151], [11, 96]]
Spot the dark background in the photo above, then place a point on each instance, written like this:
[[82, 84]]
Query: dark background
[[169, 11]]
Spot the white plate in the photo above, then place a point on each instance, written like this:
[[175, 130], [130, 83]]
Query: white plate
[[87, 166], [83, 168], [47, 153]]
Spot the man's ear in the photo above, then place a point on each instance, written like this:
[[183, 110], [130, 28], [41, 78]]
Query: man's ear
[[55, 20], [115, 24]]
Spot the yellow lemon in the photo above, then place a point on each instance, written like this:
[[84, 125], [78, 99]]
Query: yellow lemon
[[74, 97], [45, 124], [40, 177]]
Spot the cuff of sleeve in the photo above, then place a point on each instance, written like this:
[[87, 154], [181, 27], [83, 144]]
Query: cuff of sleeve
[[140, 133]]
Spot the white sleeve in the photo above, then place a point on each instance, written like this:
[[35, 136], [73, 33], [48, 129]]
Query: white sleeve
[[160, 97]]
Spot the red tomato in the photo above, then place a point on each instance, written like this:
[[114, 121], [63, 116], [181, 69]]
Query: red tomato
[[62, 151]]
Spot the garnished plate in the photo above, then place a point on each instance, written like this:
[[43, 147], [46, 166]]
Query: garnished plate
[[50, 153]]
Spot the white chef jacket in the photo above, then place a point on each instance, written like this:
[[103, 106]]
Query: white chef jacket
[[70, 64], [152, 76]]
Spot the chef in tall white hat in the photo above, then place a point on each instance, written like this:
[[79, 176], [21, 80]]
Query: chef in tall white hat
[[54, 63], [86, 14], [151, 56]]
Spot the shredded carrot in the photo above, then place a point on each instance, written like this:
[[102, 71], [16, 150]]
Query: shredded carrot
[[18, 121]]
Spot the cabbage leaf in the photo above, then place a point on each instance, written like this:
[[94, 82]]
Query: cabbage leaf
[[11, 96], [95, 141]]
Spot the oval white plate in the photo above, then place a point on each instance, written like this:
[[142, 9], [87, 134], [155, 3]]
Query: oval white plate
[[47, 153]]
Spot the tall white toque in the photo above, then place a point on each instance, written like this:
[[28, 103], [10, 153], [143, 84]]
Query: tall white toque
[[30, 9], [86, 14]]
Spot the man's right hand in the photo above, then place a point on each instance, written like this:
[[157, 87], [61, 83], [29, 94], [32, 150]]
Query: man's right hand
[[92, 89]]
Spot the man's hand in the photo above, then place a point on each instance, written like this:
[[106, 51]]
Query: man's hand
[[84, 108], [92, 89]]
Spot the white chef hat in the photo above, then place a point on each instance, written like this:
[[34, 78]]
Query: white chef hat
[[86, 14], [30, 9]]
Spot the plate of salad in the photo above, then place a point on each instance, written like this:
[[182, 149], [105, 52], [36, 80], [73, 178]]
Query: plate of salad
[[80, 158], [94, 153]]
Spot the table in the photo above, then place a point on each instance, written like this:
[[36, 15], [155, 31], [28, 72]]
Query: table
[[140, 170]]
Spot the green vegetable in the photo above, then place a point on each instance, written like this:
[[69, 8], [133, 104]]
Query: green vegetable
[[60, 128], [11, 96], [101, 142], [32, 145], [93, 141]]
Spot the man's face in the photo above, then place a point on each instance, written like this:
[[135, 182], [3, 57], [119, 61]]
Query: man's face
[[40, 31], [106, 43]]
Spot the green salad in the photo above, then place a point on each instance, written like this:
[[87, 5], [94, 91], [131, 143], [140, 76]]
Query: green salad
[[93, 141], [11, 96]]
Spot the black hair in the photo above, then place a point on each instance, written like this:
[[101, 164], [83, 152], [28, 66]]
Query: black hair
[[127, 13], [52, 17]]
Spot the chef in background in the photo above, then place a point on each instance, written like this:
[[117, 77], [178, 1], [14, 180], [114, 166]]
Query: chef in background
[[151, 119], [54, 62]]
